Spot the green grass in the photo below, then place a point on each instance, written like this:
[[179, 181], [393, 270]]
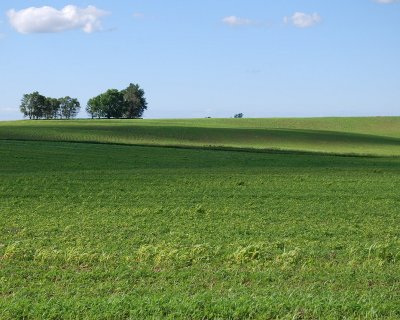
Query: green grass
[[357, 136], [111, 229], [103, 231]]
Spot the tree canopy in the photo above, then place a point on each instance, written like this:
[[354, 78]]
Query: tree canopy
[[36, 106], [129, 103]]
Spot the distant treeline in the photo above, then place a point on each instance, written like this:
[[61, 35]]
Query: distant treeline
[[36, 106], [128, 103]]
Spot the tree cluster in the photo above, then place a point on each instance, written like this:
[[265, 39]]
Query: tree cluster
[[129, 103], [36, 106]]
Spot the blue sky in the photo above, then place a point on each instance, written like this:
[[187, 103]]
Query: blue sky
[[265, 58]]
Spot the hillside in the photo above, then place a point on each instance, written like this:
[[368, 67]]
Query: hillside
[[113, 230], [363, 136], [102, 231]]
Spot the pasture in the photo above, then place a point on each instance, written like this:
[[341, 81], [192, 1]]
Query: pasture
[[99, 221], [351, 136]]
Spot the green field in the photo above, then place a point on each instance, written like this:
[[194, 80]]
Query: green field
[[120, 227], [368, 136]]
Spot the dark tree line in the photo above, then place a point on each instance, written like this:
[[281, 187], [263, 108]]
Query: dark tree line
[[36, 106], [129, 103]]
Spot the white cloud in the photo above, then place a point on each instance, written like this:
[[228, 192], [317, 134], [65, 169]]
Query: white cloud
[[387, 1], [303, 20], [50, 20], [236, 21]]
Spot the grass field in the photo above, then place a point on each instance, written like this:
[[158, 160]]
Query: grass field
[[368, 136], [109, 231]]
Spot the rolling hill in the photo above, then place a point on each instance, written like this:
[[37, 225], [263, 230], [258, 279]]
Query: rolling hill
[[378, 136]]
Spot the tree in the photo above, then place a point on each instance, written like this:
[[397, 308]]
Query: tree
[[26, 106], [135, 101], [129, 103], [33, 105], [69, 107], [36, 106], [112, 103], [238, 115], [52, 108], [94, 107]]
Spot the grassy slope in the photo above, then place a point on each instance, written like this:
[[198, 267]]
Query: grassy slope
[[373, 136], [108, 231]]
